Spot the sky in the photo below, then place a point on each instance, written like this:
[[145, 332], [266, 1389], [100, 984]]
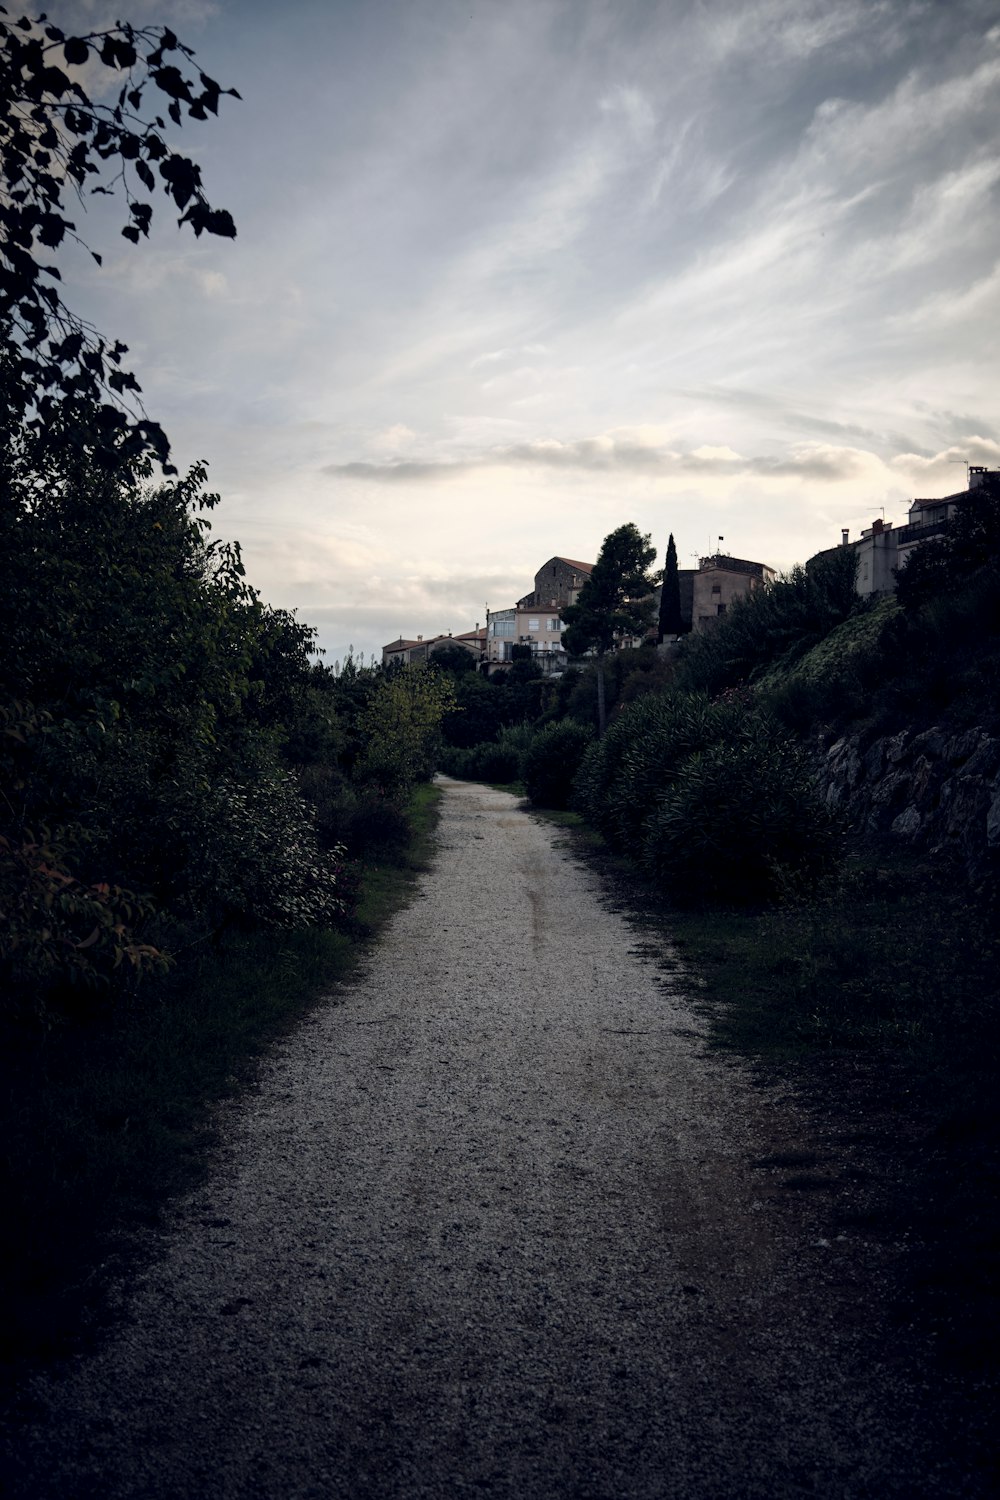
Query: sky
[[510, 273]]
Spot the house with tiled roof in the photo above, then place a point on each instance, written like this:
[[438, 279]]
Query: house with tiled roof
[[535, 621], [411, 651]]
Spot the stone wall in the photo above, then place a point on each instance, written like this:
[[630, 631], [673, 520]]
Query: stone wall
[[936, 789]]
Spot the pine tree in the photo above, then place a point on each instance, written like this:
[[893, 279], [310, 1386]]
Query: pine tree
[[614, 603]]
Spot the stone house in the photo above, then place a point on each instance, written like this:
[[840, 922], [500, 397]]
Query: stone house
[[558, 581], [708, 590], [535, 620]]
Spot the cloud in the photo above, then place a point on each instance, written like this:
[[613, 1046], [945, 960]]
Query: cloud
[[610, 454], [397, 436], [632, 105], [942, 470], [398, 471]]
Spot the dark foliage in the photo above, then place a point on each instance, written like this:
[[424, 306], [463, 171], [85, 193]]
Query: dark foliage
[[970, 545], [741, 822], [671, 621], [662, 732], [58, 142], [773, 626], [150, 704], [453, 658], [552, 760]]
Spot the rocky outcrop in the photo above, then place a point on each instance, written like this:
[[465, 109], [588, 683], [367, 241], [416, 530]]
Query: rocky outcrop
[[937, 789]]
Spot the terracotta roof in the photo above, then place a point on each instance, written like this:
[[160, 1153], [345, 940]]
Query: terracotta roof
[[400, 645], [582, 566]]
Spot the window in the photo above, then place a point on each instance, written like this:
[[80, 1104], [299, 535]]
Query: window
[[533, 626], [716, 588], [721, 609], [554, 623]]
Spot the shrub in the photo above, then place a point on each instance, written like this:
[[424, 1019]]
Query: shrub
[[494, 762], [401, 728], [252, 852], [672, 728], [454, 761], [624, 774], [377, 828], [516, 740], [58, 932], [552, 760], [741, 823]]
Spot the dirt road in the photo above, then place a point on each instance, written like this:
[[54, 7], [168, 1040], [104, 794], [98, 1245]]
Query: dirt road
[[495, 1224]]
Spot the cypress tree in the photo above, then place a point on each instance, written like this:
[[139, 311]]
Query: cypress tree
[[671, 622]]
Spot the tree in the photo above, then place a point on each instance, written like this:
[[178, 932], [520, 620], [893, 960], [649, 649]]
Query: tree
[[401, 725], [671, 620], [451, 657], [615, 602], [57, 373], [969, 544]]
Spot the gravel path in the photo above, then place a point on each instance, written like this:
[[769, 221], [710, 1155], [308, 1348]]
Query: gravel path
[[492, 1226]]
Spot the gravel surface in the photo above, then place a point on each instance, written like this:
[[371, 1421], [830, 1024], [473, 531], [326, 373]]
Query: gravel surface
[[496, 1224]]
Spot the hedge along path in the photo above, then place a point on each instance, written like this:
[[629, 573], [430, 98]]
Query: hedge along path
[[495, 1223]]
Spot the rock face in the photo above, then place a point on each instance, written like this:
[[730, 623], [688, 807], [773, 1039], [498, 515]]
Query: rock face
[[937, 789]]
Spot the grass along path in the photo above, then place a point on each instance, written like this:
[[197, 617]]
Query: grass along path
[[879, 1001], [102, 1122]]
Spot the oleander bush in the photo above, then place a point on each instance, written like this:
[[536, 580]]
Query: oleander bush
[[742, 822], [552, 760], [673, 727]]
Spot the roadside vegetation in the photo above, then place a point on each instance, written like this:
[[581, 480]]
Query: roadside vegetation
[[861, 966], [200, 821], [103, 1120]]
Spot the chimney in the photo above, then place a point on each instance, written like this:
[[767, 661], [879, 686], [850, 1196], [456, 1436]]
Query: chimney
[[843, 537], [419, 637], [878, 526]]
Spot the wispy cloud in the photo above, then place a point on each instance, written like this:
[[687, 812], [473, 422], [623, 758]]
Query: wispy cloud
[[608, 454], [510, 274]]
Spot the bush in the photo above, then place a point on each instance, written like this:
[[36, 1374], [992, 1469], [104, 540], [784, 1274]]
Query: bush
[[499, 760], [495, 762], [623, 775], [742, 823], [454, 761], [552, 761], [663, 732], [253, 853], [58, 933]]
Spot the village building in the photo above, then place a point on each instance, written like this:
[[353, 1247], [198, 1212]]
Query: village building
[[706, 592], [882, 548], [557, 582], [409, 652]]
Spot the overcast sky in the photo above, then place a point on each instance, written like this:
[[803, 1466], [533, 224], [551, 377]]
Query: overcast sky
[[510, 273]]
